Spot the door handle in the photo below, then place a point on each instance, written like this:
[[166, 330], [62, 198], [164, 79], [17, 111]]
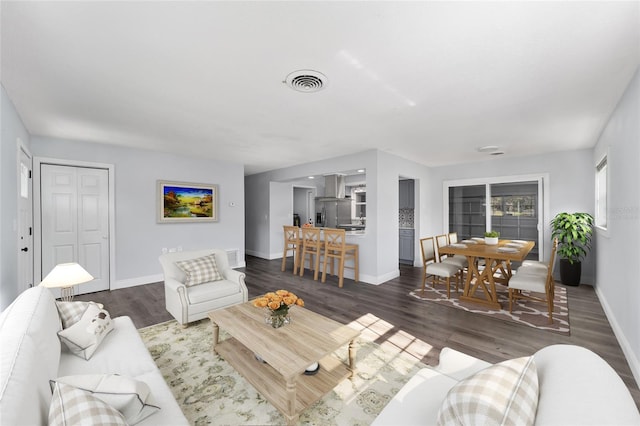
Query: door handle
[[24, 249]]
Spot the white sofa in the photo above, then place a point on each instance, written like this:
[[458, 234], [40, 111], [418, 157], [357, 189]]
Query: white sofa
[[32, 355], [192, 303], [576, 387]]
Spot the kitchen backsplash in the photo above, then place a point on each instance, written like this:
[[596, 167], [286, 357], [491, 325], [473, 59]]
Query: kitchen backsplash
[[406, 218]]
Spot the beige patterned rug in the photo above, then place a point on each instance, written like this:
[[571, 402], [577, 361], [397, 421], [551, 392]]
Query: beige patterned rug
[[532, 314], [210, 391]]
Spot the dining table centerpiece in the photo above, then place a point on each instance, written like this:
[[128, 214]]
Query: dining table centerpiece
[[491, 238], [277, 304]]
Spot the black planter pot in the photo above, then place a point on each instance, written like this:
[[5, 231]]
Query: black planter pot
[[570, 272]]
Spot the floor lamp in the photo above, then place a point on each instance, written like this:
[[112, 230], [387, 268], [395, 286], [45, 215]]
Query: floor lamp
[[65, 276]]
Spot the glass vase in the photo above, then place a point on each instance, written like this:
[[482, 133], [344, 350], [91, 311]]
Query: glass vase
[[278, 318]]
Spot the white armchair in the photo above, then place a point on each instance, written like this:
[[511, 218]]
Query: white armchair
[[192, 303]]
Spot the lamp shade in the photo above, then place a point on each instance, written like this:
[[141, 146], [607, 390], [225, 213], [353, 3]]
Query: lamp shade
[[66, 275]]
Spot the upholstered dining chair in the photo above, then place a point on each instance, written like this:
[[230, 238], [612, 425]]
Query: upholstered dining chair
[[312, 247], [336, 248], [534, 278], [436, 269], [443, 240], [292, 243]]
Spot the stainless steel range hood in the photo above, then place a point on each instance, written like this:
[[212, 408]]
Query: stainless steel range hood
[[333, 188]]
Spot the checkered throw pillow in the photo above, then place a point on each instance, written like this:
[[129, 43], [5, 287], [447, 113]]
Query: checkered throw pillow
[[200, 270], [72, 406], [132, 398], [71, 312], [503, 394]]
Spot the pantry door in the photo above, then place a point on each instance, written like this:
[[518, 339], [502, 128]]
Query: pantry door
[[74, 203]]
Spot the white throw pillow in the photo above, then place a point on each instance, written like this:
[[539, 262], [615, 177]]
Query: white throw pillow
[[200, 270], [130, 397], [503, 394], [83, 337], [71, 406]]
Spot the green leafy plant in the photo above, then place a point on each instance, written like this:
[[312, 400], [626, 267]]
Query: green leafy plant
[[573, 231], [492, 234]]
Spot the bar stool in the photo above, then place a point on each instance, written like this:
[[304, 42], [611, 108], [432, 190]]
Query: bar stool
[[311, 246], [292, 242], [336, 247]]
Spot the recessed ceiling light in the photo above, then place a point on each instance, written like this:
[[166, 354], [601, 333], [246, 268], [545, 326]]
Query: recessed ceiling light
[[311, 177], [488, 148], [360, 170]]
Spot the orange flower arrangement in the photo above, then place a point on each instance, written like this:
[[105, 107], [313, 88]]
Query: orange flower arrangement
[[279, 300], [278, 304]]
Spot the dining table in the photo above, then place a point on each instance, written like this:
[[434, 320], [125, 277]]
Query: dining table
[[480, 284]]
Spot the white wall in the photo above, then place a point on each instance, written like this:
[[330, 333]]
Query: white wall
[[11, 128], [571, 187], [378, 247], [139, 239], [618, 268]]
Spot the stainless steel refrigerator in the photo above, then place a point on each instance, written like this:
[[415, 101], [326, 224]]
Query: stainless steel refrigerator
[[334, 212]]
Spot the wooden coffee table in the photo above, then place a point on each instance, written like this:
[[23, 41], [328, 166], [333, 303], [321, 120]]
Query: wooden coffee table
[[288, 351]]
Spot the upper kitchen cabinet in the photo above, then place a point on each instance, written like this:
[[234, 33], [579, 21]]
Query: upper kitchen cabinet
[[407, 198]]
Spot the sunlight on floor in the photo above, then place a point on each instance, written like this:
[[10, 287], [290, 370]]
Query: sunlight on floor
[[382, 332]]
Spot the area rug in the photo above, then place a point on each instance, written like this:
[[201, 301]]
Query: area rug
[[532, 314], [210, 391]]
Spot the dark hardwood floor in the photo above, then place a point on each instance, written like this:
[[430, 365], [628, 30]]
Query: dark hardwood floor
[[420, 328]]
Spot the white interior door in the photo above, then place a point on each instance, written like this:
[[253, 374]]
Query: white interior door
[[75, 221], [25, 222]]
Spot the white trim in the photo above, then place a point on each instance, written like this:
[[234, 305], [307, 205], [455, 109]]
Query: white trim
[[543, 194], [133, 282], [380, 279], [627, 350], [21, 147], [37, 223]]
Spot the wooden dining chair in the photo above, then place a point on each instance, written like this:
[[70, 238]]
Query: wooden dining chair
[[312, 247], [292, 243], [435, 269], [336, 248], [533, 278], [458, 260]]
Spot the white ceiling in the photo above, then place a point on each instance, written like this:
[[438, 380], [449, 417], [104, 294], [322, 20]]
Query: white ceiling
[[428, 81]]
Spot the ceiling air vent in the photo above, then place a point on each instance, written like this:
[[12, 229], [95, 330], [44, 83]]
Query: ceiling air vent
[[307, 81]]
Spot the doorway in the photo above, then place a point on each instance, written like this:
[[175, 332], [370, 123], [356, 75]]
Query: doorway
[[75, 220]]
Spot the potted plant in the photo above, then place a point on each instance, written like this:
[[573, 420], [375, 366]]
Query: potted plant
[[491, 238], [573, 231]]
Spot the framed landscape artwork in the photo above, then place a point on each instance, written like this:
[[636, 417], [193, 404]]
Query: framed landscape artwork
[[180, 202]]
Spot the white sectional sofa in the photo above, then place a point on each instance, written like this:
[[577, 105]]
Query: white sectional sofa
[[31, 355], [576, 387]]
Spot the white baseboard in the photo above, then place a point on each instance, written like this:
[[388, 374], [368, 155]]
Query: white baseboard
[[132, 282], [369, 279], [632, 358], [260, 254]]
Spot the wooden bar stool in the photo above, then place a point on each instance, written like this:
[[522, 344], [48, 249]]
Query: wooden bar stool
[[312, 246], [336, 248], [292, 242]]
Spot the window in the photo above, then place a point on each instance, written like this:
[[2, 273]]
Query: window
[[512, 208], [601, 193], [24, 180]]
